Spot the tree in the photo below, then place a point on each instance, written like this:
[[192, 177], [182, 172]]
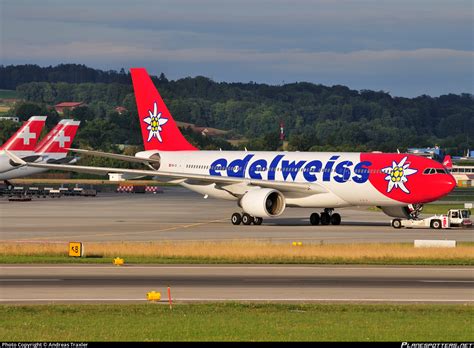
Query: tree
[[97, 134], [25, 110], [7, 129], [81, 113], [315, 116]]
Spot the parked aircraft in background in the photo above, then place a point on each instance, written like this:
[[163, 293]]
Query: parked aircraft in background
[[52, 148], [264, 183], [26, 137]]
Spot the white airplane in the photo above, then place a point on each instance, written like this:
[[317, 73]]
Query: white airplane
[[23, 142], [264, 183], [52, 148]]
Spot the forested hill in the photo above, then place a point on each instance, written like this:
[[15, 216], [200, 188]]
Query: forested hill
[[316, 117]]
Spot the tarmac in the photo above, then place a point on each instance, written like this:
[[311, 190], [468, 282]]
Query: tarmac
[[259, 283], [181, 215]]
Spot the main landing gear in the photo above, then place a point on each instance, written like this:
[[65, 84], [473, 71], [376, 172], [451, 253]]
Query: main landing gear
[[327, 217], [245, 219]]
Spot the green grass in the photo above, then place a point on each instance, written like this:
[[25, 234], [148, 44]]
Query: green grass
[[432, 208], [54, 259], [237, 322], [440, 208], [461, 194], [459, 198], [8, 94]]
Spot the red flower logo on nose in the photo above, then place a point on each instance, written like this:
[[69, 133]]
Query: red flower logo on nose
[[397, 175]]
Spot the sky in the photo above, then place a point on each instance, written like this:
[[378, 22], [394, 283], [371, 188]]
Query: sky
[[403, 47]]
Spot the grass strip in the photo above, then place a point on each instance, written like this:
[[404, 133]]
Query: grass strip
[[431, 209], [242, 252], [237, 322], [440, 208]]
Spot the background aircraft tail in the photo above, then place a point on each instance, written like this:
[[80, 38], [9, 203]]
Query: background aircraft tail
[[27, 136], [60, 138], [447, 162], [159, 130], [44, 142]]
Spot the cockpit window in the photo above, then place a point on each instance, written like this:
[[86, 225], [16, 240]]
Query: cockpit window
[[429, 171]]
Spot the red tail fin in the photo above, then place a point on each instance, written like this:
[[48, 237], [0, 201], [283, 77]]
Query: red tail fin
[[61, 140], [447, 162], [26, 137], [159, 130], [45, 141]]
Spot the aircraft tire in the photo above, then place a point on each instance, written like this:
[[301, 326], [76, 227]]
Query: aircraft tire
[[257, 220], [236, 219], [247, 219], [335, 219], [314, 219], [325, 219]]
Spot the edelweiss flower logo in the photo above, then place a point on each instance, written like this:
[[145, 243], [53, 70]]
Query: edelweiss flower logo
[[155, 122], [397, 175]]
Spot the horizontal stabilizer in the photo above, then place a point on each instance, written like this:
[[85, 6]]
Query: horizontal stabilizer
[[15, 159]]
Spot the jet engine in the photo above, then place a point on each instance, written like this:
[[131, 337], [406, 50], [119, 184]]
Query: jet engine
[[263, 202], [410, 211]]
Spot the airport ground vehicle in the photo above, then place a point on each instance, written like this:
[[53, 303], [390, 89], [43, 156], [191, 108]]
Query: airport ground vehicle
[[454, 218]]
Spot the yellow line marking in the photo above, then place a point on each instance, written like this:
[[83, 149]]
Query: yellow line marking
[[124, 233]]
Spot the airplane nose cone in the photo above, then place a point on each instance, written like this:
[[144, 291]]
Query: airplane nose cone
[[451, 183], [441, 186], [447, 184]]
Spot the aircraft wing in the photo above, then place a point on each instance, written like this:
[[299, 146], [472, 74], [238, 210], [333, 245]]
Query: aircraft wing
[[116, 156], [310, 188]]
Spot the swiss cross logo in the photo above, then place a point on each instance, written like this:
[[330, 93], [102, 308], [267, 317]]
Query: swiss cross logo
[[61, 138], [26, 135]]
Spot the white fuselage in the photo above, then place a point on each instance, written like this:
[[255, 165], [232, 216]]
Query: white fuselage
[[8, 172], [343, 175]]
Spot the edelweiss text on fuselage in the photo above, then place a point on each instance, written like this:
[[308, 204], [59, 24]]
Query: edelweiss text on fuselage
[[312, 171]]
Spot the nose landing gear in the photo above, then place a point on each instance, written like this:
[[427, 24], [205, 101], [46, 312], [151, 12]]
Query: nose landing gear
[[327, 217]]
